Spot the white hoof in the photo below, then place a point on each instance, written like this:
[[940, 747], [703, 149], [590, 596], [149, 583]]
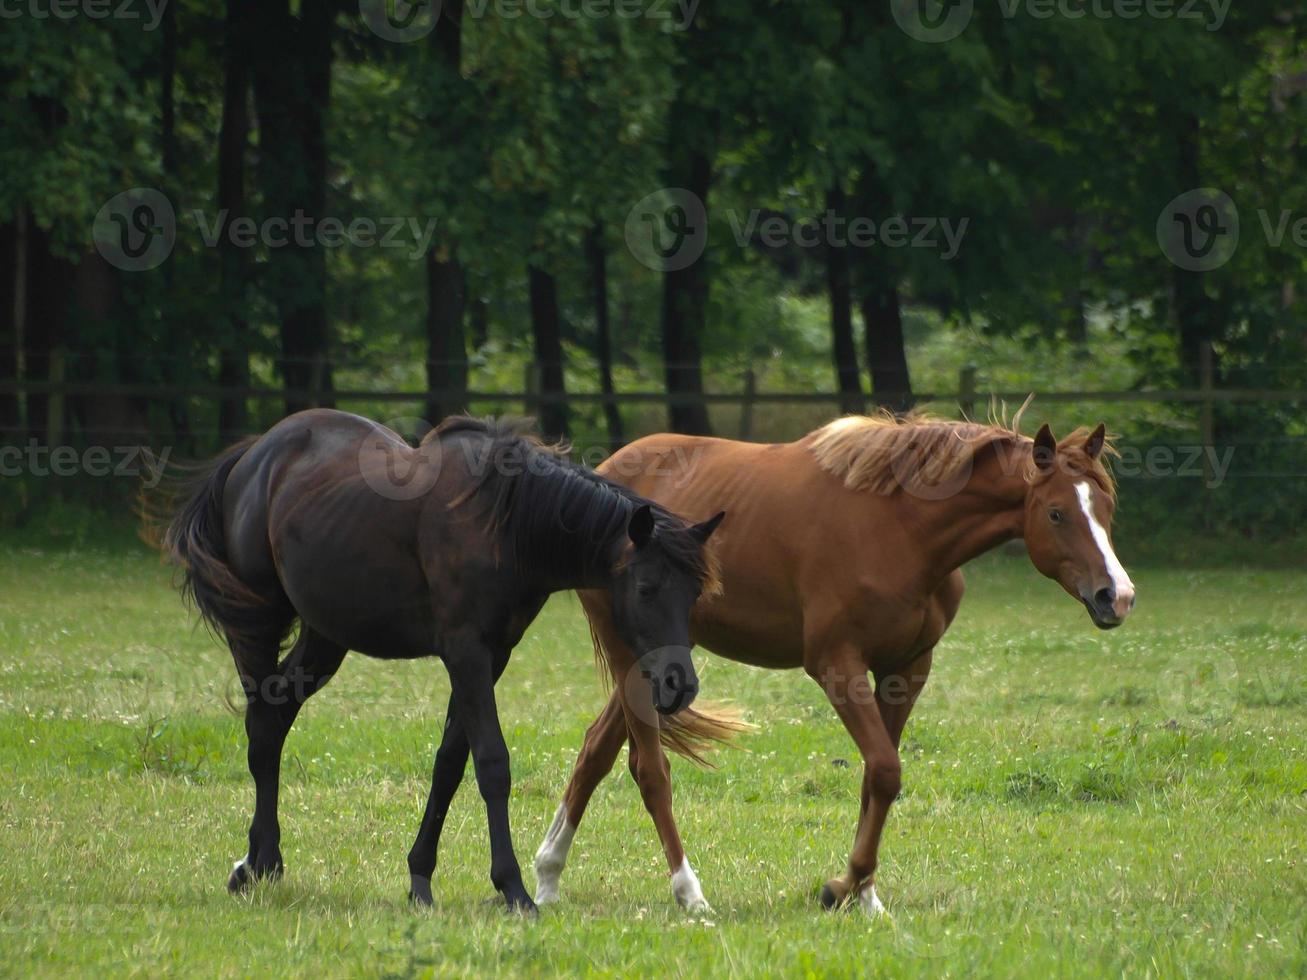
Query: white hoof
[[552, 857], [685, 886], [870, 902]]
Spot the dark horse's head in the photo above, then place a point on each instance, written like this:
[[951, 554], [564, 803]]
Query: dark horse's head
[[663, 570], [569, 527]]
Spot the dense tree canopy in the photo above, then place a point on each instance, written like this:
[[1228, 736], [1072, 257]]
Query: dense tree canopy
[[450, 197]]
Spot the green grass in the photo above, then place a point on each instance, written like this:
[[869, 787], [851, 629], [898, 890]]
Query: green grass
[[1075, 802]]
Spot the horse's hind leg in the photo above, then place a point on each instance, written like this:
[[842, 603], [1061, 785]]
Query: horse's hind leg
[[603, 741], [273, 701], [845, 681]]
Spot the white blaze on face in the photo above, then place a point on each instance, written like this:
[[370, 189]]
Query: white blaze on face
[[1125, 589]]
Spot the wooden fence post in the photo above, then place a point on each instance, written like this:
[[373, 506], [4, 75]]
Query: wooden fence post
[[746, 406], [967, 391]]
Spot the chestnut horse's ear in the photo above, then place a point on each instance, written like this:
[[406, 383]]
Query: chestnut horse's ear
[[641, 526], [1045, 448], [704, 531], [1094, 444]]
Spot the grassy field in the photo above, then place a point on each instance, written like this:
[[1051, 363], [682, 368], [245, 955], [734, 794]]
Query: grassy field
[[1075, 802]]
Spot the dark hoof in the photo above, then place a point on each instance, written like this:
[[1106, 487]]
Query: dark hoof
[[243, 877], [522, 905], [829, 900], [239, 879], [419, 891]]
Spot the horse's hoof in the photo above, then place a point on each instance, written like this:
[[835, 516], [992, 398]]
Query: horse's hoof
[[834, 894], [419, 891], [870, 903], [522, 905], [239, 879], [243, 876]]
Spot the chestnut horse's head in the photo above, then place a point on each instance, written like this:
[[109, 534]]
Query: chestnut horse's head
[[1068, 524], [653, 591]]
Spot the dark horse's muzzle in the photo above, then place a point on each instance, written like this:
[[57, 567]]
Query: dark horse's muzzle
[[673, 683]]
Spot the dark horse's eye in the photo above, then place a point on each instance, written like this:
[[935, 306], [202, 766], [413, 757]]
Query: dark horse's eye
[[646, 590], [1055, 516]]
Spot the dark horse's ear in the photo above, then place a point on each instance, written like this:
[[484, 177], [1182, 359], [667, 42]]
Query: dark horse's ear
[[641, 527], [704, 531], [1094, 444], [1045, 448]]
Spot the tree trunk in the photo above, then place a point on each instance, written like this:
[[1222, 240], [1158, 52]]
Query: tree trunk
[[887, 357], [234, 337], [598, 261], [447, 366], [882, 317], [479, 314], [9, 339], [843, 347], [547, 331], [292, 88], [1197, 319], [685, 312], [446, 346], [49, 289]]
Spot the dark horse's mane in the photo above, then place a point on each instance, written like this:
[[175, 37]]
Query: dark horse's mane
[[540, 502]]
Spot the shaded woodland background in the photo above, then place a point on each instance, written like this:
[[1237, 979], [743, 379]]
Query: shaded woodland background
[[512, 147]]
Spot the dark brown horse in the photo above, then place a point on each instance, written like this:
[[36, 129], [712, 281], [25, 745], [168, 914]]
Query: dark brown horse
[[842, 557], [447, 550]]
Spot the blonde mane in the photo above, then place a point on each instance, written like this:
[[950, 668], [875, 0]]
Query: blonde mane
[[878, 452]]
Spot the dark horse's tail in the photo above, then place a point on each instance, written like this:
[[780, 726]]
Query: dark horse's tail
[[191, 537]]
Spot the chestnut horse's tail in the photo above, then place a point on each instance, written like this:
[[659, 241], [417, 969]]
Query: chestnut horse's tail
[[694, 732], [193, 540]]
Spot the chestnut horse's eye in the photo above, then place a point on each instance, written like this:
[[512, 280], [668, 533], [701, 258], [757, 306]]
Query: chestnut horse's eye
[[1055, 515]]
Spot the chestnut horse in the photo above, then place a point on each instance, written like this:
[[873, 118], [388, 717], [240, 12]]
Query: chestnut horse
[[842, 557], [448, 550]]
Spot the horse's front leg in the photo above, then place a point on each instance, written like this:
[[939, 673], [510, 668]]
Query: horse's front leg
[[845, 681], [471, 665], [446, 777], [650, 768]]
